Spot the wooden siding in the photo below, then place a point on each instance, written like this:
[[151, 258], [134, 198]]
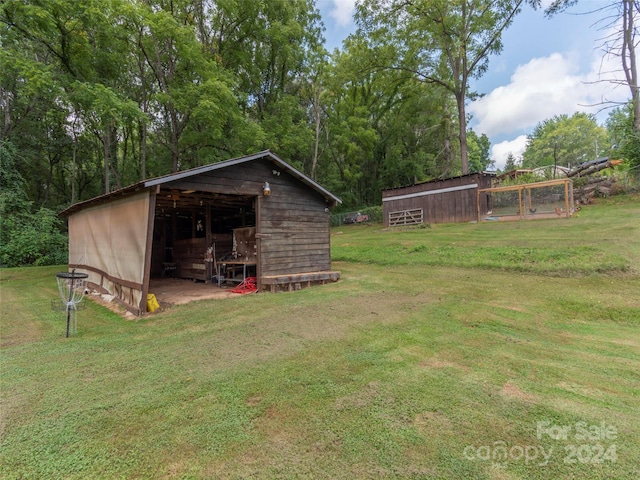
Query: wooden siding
[[445, 201], [295, 225], [292, 225], [189, 259]]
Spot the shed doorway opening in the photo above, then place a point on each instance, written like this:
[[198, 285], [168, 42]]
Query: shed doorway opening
[[195, 232]]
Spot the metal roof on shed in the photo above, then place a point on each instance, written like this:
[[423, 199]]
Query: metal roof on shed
[[437, 180], [147, 184]]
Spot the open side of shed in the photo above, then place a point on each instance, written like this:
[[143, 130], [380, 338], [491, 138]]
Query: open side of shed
[[205, 223]]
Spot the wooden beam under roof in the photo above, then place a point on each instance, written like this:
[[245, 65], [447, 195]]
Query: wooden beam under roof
[[175, 199]]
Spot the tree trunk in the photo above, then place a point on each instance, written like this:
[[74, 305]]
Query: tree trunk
[[143, 149], [5, 101], [113, 156], [462, 134], [73, 169], [317, 113], [47, 190], [628, 55], [106, 142], [175, 137]]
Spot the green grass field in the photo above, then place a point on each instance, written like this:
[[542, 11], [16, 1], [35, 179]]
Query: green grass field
[[486, 351]]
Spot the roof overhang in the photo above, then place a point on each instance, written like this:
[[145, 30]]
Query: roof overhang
[[440, 180], [159, 181]]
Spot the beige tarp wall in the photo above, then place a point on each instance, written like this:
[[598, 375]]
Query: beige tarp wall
[[109, 242]]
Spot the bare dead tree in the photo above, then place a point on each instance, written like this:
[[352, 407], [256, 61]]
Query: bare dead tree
[[618, 20]]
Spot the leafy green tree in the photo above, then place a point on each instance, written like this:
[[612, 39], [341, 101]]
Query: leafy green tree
[[618, 18], [274, 50], [350, 137], [313, 91], [79, 46], [565, 141], [192, 100], [26, 237], [625, 142], [115, 81], [28, 93], [441, 42], [98, 94], [479, 152], [382, 129]]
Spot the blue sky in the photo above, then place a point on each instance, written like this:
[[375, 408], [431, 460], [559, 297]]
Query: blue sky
[[547, 67]]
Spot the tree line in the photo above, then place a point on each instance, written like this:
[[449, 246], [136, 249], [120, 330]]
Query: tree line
[[99, 94]]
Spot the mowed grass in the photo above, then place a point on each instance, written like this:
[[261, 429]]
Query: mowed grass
[[457, 351]]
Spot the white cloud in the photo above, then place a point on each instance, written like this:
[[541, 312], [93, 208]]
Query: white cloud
[[540, 89], [342, 11], [500, 151]]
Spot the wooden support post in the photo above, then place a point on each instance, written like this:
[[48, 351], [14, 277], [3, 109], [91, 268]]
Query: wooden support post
[[174, 230], [208, 243], [566, 197], [259, 236], [520, 202], [151, 216]]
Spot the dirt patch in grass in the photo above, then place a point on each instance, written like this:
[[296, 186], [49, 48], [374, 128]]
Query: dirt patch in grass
[[437, 362], [433, 422], [254, 401], [360, 399], [510, 390], [586, 391], [280, 445], [514, 308]]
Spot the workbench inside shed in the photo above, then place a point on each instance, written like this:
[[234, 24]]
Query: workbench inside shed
[[242, 261]]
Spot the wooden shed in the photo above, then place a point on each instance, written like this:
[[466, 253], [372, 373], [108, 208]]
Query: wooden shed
[[438, 201], [250, 216]]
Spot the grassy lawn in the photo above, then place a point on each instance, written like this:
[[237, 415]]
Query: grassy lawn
[[487, 351]]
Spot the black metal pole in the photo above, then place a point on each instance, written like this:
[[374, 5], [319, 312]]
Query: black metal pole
[[73, 272]]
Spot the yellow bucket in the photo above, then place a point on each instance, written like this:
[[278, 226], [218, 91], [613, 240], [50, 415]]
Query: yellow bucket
[[152, 303]]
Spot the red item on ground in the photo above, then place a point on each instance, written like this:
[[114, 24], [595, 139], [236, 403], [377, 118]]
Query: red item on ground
[[248, 285]]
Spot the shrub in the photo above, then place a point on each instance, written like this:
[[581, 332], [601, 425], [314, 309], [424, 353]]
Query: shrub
[[33, 239], [26, 237]]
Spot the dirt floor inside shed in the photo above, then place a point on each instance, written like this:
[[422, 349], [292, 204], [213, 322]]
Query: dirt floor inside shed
[[176, 291]]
